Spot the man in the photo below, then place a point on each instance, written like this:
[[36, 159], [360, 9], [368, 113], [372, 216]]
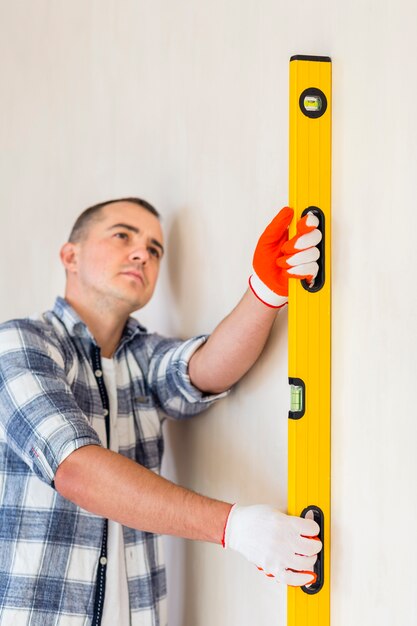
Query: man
[[84, 390]]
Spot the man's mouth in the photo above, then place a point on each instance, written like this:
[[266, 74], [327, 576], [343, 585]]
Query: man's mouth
[[135, 275]]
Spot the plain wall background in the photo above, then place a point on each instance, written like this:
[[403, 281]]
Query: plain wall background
[[185, 103]]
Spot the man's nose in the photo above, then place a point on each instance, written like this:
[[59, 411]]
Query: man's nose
[[139, 254]]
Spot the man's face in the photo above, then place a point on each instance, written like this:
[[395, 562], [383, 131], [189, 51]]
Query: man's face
[[120, 257]]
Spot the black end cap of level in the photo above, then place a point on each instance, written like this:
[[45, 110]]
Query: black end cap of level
[[302, 57]]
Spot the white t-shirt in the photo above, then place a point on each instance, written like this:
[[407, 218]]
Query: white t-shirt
[[116, 610]]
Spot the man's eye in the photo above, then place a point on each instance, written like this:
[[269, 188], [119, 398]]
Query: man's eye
[[154, 252], [121, 235]]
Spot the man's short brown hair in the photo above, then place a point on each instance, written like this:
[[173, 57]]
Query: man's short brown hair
[[83, 221]]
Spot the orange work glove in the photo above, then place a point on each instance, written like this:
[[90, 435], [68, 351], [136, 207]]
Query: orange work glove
[[276, 259]]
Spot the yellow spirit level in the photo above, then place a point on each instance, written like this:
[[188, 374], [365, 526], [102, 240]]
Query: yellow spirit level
[[309, 329]]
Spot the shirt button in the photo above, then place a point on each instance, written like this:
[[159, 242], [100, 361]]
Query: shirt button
[[105, 412], [98, 373], [103, 560]]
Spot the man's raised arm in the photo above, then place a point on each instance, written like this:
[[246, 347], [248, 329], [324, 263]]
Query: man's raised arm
[[238, 340]]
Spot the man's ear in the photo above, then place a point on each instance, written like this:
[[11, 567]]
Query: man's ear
[[69, 257]]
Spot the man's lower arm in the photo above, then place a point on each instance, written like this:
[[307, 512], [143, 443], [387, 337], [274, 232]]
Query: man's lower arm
[[108, 484]]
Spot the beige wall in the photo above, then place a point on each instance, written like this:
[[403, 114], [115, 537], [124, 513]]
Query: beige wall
[[185, 103]]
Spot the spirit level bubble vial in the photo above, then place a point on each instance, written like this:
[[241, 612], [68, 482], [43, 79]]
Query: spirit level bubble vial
[[309, 356]]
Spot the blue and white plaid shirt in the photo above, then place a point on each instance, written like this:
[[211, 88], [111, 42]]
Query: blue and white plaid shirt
[[51, 405]]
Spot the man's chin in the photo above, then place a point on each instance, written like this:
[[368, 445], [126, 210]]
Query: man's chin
[[133, 303]]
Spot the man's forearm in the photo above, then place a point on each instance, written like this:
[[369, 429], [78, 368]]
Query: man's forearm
[[233, 347], [108, 484]]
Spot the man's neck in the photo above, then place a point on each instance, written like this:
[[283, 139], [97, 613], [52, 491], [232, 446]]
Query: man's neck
[[105, 326]]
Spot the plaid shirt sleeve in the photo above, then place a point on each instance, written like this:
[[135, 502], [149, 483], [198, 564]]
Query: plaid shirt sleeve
[[170, 381], [39, 417]]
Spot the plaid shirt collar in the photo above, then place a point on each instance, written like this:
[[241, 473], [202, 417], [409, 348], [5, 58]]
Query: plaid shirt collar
[[77, 328]]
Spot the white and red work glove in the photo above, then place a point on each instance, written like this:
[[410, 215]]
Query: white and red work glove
[[283, 546], [276, 259]]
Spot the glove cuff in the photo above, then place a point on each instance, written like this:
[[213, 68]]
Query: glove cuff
[[224, 538], [266, 295]]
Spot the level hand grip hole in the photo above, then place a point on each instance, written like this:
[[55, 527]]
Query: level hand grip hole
[[319, 281], [316, 514]]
